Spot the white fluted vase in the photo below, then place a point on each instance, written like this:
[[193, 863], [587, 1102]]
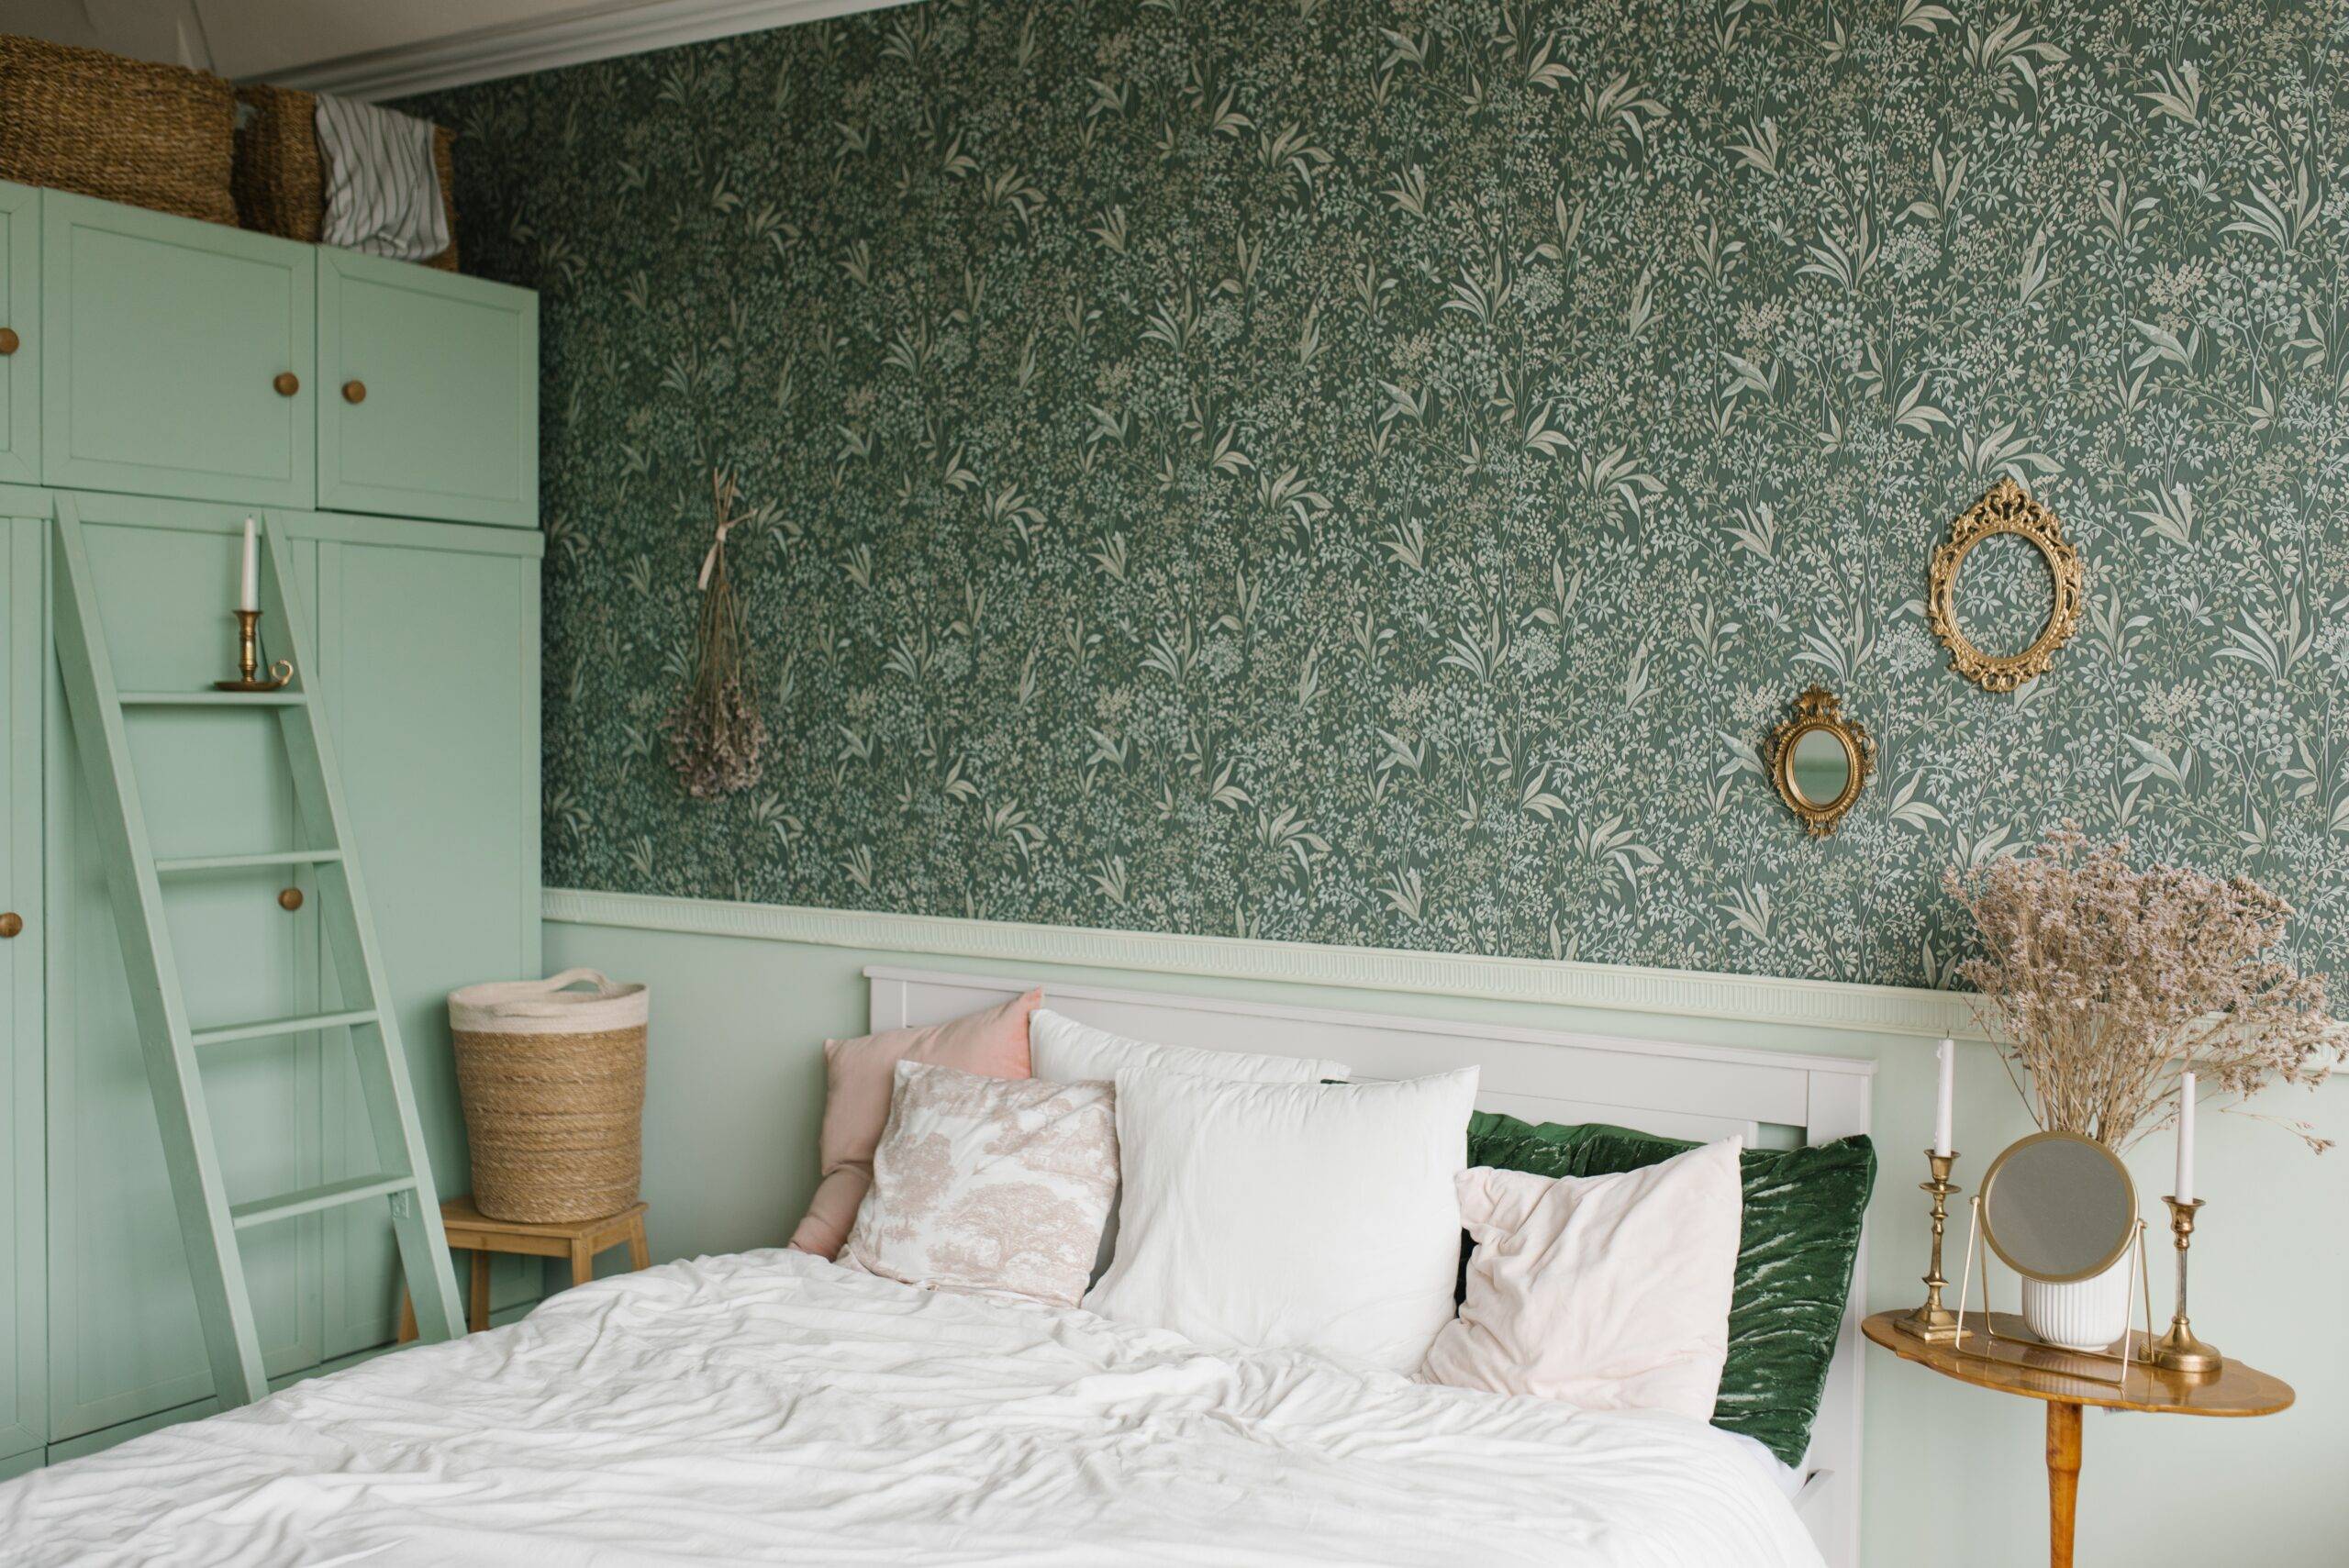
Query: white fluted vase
[[2082, 1315]]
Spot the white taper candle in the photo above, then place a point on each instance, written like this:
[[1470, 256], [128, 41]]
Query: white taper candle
[[1941, 1105], [249, 585], [2184, 1190]]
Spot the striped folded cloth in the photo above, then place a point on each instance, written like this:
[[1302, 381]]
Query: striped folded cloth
[[383, 194]]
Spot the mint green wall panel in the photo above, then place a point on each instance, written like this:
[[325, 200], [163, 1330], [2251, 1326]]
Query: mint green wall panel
[[124, 1340], [436, 722], [20, 314], [448, 423], [164, 338], [24, 660]]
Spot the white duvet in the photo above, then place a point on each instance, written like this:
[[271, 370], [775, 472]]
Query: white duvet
[[771, 1408]]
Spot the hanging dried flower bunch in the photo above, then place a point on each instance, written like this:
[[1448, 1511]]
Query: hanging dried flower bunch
[[716, 739], [2102, 981]]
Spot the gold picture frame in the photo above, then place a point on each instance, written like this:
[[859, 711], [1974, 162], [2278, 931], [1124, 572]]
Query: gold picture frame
[[2005, 509], [1820, 712]]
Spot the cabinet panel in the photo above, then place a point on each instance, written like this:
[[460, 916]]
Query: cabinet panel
[[123, 1334], [429, 393], [23, 1424], [165, 341], [438, 736], [20, 314]]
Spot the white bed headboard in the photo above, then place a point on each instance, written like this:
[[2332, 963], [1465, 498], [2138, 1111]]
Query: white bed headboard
[[1679, 1091]]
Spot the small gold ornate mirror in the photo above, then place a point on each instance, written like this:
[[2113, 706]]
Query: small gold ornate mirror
[[1820, 760], [2009, 518]]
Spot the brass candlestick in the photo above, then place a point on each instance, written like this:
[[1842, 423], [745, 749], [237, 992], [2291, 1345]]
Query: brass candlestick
[[2180, 1351], [249, 659], [1933, 1322]]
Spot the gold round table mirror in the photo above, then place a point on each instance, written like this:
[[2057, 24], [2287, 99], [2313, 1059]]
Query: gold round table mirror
[[2058, 1207]]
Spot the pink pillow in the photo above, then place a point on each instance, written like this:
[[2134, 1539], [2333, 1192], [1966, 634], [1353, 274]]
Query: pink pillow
[[992, 1042]]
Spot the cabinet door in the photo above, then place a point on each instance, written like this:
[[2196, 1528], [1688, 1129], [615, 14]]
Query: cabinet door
[[23, 1424], [20, 334], [179, 356], [438, 735], [429, 396], [124, 1340]]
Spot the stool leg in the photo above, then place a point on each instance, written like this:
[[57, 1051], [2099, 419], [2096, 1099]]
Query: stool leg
[[639, 1253], [477, 1317], [582, 1262]]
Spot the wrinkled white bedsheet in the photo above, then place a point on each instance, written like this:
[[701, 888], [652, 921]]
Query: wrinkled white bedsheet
[[771, 1408]]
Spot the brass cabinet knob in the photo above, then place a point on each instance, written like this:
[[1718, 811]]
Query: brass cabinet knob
[[11, 923], [354, 392], [290, 900], [9, 341], [287, 384]]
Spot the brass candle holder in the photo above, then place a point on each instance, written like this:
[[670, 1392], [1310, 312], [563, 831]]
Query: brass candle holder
[[249, 659], [2179, 1349], [1933, 1322]]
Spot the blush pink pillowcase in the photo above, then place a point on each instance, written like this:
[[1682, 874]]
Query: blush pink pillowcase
[[858, 1075], [1608, 1293]]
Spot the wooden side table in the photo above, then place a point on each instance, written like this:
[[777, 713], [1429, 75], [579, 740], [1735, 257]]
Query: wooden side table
[[470, 1230], [2069, 1382]]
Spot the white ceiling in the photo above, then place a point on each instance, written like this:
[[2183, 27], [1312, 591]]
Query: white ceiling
[[383, 48]]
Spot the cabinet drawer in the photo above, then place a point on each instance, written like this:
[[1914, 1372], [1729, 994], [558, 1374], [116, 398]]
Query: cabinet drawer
[[21, 335], [179, 356], [429, 395]]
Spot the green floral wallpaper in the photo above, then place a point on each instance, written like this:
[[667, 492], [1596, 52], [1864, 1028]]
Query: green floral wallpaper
[[1372, 471]]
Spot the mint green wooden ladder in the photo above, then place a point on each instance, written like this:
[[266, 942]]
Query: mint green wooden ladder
[[209, 1223]]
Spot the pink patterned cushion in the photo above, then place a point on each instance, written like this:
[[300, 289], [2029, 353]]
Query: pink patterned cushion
[[989, 1186], [992, 1042]]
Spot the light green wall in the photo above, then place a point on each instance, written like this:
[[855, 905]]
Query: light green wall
[[1955, 1476]]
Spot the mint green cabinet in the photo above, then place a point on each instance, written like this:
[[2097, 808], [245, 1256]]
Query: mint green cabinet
[[427, 392], [436, 725], [177, 356], [24, 662], [427, 654], [20, 334]]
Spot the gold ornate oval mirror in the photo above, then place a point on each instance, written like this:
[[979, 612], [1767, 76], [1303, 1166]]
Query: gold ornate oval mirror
[[2006, 520], [1820, 760]]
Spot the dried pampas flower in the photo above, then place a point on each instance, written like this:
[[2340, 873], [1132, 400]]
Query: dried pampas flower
[[2102, 983], [716, 739]]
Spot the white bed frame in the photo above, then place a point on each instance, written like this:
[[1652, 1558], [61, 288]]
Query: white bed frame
[[1679, 1091]]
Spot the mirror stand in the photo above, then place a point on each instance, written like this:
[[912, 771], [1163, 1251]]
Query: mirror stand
[[1985, 1337]]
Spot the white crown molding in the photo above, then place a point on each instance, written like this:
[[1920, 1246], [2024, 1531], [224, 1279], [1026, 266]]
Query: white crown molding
[[1809, 1004], [628, 27]]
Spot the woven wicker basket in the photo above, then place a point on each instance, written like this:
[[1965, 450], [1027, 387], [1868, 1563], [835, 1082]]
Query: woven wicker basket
[[280, 177], [80, 120], [552, 1081]]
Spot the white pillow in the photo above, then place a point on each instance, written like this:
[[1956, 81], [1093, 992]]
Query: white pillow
[[1062, 1051], [1312, 1216], [1607, 1293], [1066, 1051]]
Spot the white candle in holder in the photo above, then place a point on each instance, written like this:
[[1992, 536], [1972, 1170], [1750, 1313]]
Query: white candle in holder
[[249, 585], [2185, 1189], [1942, 1108]]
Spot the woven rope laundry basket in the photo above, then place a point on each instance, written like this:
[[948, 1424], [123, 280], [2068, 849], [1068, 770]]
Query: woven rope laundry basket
[[552, 1081]]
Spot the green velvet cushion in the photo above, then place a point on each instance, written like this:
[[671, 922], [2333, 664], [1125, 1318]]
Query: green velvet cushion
[[1803, 1208]]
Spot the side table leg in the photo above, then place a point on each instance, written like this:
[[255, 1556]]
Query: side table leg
[[2062, 1480], [478, 1320]]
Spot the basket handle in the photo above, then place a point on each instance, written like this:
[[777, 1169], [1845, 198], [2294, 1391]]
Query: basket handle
[[570, 977]]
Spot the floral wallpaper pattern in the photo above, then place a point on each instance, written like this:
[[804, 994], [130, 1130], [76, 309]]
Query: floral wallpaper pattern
[[1373, 471]]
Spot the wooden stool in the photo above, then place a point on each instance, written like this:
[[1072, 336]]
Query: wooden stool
[[470, 1230]]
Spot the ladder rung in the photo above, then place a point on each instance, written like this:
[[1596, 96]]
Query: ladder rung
[[309, 1200], [299, 1024], [211, 699], [182, 865]]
